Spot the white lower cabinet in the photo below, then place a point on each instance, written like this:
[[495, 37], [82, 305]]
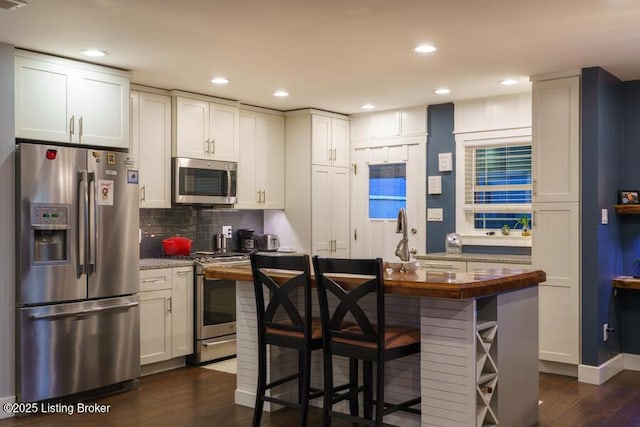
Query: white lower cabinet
[[437, 265], [166, 314]]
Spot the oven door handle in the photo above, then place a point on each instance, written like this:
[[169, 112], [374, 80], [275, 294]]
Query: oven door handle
[[209, 344]]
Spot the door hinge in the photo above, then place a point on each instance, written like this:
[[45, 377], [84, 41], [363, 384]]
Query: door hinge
[[355, 168], [355, 234]]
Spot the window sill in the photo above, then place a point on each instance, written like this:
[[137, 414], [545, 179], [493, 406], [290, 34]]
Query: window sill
[[514, 239]]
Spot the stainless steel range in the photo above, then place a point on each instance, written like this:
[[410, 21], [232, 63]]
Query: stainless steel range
[[215, 309]]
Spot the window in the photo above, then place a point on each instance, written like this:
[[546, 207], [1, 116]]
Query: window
[[498, 184], [387, 190]]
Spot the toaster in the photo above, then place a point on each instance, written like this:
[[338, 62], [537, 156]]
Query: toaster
[[267, 242]]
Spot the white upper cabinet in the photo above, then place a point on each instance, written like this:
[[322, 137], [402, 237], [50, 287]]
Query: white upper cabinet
[[330, 211], [151, 141], [556, 140], [330, 141], [261, 164], [204, 129], [404, 122], [495, 113], [59, 100]]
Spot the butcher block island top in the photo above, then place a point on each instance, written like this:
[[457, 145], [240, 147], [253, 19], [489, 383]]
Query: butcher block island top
[[425, 283]]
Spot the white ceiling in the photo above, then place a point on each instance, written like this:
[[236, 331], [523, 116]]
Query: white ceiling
[[336, 54]]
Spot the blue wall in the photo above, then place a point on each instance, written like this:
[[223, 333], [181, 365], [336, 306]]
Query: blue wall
[[629, 301], [601, 123], [441, 140]]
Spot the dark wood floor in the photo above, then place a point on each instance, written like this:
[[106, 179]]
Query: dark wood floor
[[202, 397]]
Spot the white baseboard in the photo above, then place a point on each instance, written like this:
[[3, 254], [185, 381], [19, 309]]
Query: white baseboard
[[3, 401], [245, 398], [632, 361], [558, 368], [600, 374]]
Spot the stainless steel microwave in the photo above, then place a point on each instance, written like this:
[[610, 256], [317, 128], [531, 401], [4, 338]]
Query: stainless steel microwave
[[203, 182]]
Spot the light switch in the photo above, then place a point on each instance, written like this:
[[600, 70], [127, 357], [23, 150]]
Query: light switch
[[227, 230], [445, 162], [605, 216], [435, 184], [434, 214]]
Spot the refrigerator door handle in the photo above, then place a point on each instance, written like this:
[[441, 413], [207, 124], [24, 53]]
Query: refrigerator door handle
[[82, 230], [85, 312], [92, 235]]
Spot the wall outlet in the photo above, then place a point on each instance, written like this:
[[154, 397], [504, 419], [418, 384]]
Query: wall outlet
[[227, 230], [605, 332]]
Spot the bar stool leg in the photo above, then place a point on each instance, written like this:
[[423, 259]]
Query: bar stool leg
[[367, 381], [305, 380], [328, 390], [379, 394], [353, 387], [262, 383]]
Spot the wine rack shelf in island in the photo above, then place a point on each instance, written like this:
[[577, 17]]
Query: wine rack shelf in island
[[486, 334]]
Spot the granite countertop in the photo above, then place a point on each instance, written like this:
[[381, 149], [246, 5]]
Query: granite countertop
[[469, 257], [155, 263], [423, 282]]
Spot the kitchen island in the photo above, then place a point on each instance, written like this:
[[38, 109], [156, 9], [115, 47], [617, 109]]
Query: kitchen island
[[479, 335]]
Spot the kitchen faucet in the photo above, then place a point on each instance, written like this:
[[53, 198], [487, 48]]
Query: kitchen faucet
[[402, 250]]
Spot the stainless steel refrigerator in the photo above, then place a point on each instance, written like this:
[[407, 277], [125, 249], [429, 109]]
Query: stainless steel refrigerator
[[77, 274]]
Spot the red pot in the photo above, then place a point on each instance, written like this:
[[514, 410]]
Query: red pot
[[176, 246]]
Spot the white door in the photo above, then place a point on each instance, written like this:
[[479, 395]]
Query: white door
[[155, 326], [192, 128], [340, 142], [223, 122], [376, 237], [154, 149], [42, 100], [182, 312], [321, 140], [247, 190], [271, 163], [340, 212], [321, 210], [556, 140], [100, 102], [555, 249]]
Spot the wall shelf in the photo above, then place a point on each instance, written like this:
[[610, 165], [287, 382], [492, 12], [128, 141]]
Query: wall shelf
[[627, 209]]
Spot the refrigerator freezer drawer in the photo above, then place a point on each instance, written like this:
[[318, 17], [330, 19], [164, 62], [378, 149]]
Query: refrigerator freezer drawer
[[75, 347]]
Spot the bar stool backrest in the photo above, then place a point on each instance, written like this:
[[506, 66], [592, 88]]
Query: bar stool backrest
[[350, 280], [293, 273]]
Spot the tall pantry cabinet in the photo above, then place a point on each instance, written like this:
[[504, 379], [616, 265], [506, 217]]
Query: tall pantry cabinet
[[556, 215], [317, 182]]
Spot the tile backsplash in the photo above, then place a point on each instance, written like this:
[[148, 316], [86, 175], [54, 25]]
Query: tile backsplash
[[198, 224]]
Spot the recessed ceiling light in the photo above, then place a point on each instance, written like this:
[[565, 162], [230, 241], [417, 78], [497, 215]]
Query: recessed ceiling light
[[425, 48], [281, 93], [220, 81], [508, 82], [442, 91], [368, 106], [94, 53]]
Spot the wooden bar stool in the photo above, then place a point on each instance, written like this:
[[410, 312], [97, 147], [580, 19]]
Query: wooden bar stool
[[281, 324], [373, 343]]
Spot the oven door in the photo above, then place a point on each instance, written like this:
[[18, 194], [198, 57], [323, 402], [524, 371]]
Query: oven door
[[215, 308]]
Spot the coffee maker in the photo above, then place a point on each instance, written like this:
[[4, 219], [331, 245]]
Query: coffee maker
[[247, 239]]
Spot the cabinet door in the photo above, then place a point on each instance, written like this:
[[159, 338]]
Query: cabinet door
[[321, 153], [154, 147], [270, 162], [321, 210], [182, 311], [248, 196], [42, 100], [155, 326], [100, 103], [443, 265], [340, 142], [339, 198], [223, 132], [556, 140], [555, 249], [192, 128], [474, 265]]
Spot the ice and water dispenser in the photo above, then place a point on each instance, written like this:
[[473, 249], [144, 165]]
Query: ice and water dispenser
[[50, 225]]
